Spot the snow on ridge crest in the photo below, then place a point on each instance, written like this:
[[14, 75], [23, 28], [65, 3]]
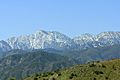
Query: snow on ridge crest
[[53, 39]]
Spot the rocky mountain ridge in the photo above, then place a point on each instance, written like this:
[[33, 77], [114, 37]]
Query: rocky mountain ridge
[[52, 39]]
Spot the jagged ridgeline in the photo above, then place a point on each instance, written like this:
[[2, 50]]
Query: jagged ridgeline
[[52, 39], [106, 70]]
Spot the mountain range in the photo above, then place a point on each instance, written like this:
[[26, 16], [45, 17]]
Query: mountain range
[[55, 40], [46, 51]]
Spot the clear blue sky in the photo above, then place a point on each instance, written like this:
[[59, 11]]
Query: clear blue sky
[[71, 17]]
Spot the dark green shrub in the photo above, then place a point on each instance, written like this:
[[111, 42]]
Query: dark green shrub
[[35, 78], [98, 61], [37, 75], [92, 65], [71, 77], [45, 75], [59, 74], [53, 79], [50, 73], [73, 74], [12, 78], [98, 72], [103, 66], [94, 79], [106, 77], [114, 67]]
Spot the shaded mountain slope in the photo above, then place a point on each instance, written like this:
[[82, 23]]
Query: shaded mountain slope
[[94, 54], [21, 65]]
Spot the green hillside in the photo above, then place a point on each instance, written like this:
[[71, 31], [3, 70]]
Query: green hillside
[[106, 70]]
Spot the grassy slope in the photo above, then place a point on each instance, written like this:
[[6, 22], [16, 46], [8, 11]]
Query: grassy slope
[[106, 70]]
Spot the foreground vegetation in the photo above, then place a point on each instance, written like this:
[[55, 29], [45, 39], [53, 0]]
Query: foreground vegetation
[[106, 70]]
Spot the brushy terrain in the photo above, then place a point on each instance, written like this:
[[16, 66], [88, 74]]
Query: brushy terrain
[[106, 70]]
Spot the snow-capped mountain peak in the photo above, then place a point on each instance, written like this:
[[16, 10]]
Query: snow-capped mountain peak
[[56, 40], [102, 39], [40, 40]]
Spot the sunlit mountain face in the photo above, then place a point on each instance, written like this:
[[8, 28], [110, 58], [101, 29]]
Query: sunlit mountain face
[[52, 39]]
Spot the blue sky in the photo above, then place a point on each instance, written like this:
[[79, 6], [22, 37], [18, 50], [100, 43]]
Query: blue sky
[[71, 17]]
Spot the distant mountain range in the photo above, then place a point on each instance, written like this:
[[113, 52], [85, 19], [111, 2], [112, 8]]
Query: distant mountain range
[[52, 39], [47, 51]]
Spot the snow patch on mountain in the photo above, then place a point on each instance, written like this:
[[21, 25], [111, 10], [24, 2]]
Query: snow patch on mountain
[[52, 39], [41, 40]]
